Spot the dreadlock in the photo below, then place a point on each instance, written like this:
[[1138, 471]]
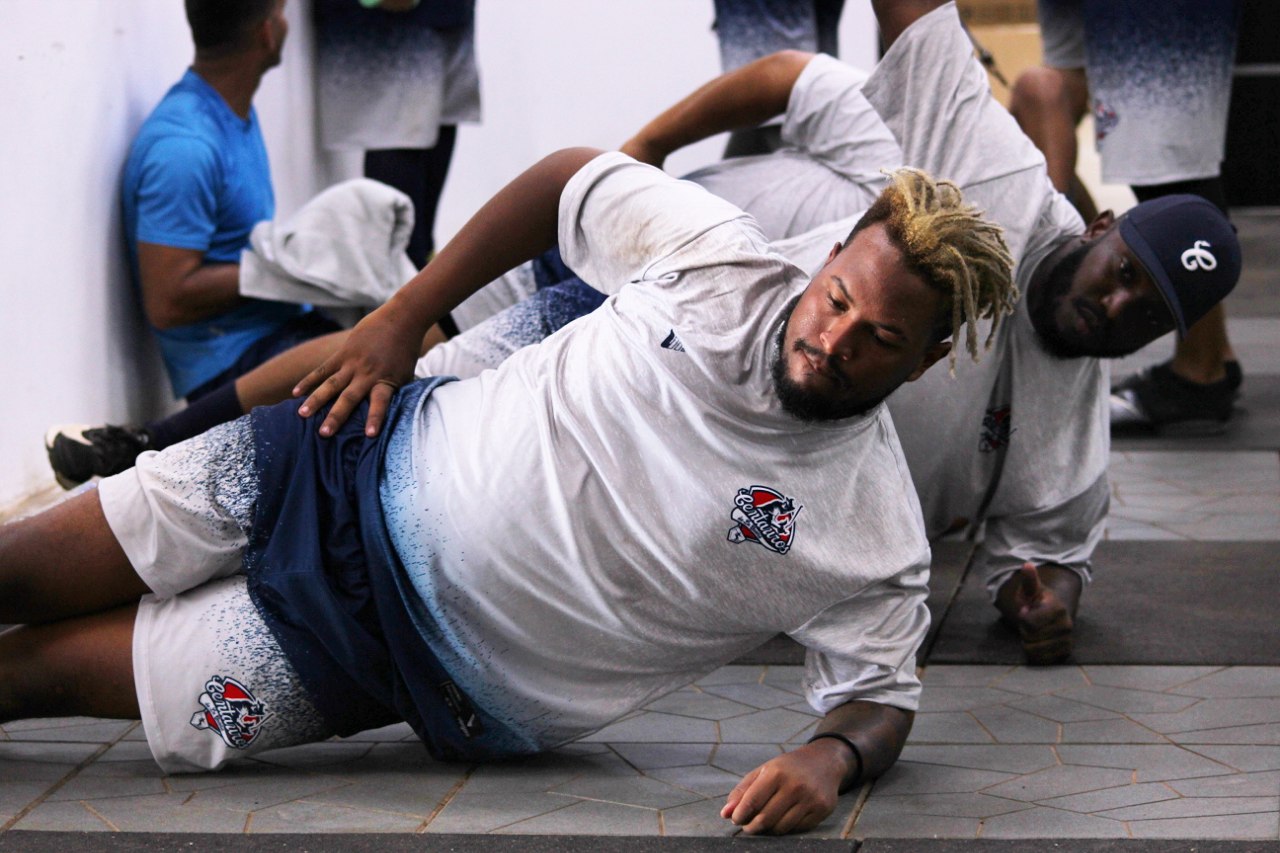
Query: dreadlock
[[952, 248]]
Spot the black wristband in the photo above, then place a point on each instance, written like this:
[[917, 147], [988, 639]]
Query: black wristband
[[857, 755]]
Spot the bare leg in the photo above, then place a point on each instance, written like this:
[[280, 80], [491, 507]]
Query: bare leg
[[1048, 104], [75, 667], [63, 562], [1202, 355]]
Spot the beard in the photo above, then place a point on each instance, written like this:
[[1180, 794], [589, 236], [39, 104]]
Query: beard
[[805, 404], [1043, 308]]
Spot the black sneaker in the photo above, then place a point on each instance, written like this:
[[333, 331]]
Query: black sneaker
[[78, 452], [1158, 400]]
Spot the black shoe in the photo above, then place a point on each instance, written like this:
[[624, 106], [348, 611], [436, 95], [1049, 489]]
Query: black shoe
[[78, 452], [1158, 400]]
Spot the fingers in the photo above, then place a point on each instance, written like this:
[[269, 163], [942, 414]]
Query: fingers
[[735, 796], [379, 402], [751, 809], [1029, 588]]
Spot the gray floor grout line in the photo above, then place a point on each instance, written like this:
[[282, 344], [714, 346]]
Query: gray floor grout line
[[446, 799], [57, 786]]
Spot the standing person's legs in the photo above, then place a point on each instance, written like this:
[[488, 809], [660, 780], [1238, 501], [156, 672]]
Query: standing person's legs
[[1182, 51], [419, 173]]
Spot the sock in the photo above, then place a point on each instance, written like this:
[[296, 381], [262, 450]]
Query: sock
[[217, 407]]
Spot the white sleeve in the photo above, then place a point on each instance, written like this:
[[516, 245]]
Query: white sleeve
[[828, 118], [865, 647], [934, 97], [619, 220], [1065, 534]]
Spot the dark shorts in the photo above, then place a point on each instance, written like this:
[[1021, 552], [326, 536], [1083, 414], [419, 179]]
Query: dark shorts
[[323, 574]]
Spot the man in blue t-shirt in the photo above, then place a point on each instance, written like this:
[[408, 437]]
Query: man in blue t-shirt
[[195, 183]]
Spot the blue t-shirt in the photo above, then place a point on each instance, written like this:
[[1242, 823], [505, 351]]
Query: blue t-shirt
[[197, 178]]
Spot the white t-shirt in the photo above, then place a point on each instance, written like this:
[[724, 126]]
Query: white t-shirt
[[623, 508], [1033, 425]]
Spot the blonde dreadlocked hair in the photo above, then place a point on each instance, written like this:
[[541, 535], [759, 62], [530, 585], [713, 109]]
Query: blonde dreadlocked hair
[[948, 244]]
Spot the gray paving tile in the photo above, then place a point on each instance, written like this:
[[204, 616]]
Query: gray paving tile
[[70, 816], [158, 813], [1214, 714], [937, 699], [954, 727], [536, 775], [1265, 734], [409, 794], [1062, 710], [1060, 782], [1149, 763], [742, 758], [1239, 826], [873, 823], [703, 705], [658, 728], [1247, 758], [705, 781], [789, 678], [1184, 807], [1235, 682], [69, 730], [759, 696], [1109, 731], [127, 751], [326, 817], [38, 762], [475, 813], [104, 780], [1130, 702], [778, 725], [945, 805], [733, 675], [642, 791], [324, 754], [908, 777], [962, 675], [1266, 784], [1159, 678], [391, 733], [1004, 758], [1112, 798], [701, 819], [1041, 822], [265, 790], [590, 818], [1010, 725], [1035, 680], [16, 796], [651, 756]]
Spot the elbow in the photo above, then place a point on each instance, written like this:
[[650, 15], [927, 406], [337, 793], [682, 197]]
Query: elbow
[[164, 313]]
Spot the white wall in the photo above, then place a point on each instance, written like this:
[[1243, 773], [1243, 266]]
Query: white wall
[[78, 76]]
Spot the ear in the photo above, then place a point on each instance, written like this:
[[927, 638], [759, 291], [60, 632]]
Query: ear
[[932, 356], [1100, 224], [831, 256]]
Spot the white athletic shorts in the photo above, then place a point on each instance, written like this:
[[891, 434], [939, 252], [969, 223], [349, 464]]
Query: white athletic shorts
[[1062, 33], [213, 684]]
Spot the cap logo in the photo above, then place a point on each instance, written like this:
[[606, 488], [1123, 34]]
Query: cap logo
[[1198, 257]]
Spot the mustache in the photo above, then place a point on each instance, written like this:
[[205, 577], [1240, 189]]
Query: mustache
[[827, 361]]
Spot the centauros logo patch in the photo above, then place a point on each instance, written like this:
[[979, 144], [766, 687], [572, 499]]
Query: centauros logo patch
[[764, 516], [230, 710]]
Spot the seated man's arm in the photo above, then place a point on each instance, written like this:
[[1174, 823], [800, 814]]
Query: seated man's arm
[[517, 224], [797, 791], [179, 288], [743, 98]]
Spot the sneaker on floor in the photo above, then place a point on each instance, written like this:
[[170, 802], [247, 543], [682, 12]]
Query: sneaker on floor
[[1158, 400], [78, 452]]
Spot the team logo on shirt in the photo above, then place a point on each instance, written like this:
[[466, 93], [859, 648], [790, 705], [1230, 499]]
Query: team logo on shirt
[[997, 426], [1104, 120], [764, 516], [230, 710]]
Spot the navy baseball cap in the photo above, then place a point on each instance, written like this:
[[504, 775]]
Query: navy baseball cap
[[1189, 248]]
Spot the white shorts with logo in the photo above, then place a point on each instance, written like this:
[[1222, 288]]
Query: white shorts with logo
[[213, 685]]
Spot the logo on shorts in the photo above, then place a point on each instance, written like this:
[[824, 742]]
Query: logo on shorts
[[1104, 120], [764, 516], [230, 710], [997, 426]]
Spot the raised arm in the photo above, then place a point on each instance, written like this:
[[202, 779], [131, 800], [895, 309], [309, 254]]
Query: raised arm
[[896, 15], [796, 791], [743, 98], [516, 225]]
